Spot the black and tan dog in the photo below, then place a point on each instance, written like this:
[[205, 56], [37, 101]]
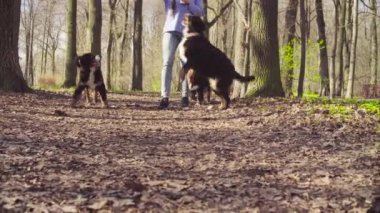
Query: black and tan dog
[[90, 78], [200, 55]]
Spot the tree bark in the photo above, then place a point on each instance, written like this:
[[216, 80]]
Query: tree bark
[[241, 47], [303, 49], [333, 51], [71, 50], [340, 45], [94, 27], [351, 74], [374, 43], [136, 83], [323, 64], [111, 40], [265, 50], [290, 30], [11, 78]]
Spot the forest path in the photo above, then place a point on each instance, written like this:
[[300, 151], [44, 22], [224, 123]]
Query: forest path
[[269, 154]]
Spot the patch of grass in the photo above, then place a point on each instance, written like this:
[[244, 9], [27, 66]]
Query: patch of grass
[[343, 106]]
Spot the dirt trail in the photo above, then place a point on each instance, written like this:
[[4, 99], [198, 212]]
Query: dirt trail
[[269, 155]]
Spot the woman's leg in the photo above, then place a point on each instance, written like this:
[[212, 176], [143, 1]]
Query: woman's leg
[[170, 43]]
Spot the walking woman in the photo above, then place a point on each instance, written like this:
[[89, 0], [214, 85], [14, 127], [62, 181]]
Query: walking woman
[[175, 11]]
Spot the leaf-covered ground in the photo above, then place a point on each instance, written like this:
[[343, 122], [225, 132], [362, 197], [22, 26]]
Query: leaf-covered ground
[[264, 155]]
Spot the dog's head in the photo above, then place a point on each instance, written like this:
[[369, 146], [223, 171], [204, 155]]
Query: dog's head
[[193, 24], [88, 61]]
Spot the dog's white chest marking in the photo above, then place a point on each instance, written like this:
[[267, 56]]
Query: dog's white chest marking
[[182, 51], [91, 80]]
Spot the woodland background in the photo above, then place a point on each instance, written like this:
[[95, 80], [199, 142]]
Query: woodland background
[[43, 35]]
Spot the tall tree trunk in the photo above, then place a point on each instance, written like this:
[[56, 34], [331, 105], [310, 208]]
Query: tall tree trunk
[[71, 50], [303, 49], [333, 51], [290, 30], [374, 43], [351, 74], [94, 27], [241, 46], [136, 83], [111, 40], [323, 64], [340, 44], [265, 51], [11, 78], [347, 41]]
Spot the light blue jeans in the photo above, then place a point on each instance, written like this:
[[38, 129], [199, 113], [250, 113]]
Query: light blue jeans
[[170, 43]]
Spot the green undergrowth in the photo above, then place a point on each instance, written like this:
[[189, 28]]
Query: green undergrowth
[[344, 106]]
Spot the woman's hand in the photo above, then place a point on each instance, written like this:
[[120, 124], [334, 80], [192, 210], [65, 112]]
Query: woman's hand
[[185, 1]]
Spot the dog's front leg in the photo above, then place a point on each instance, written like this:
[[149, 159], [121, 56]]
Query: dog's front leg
[[77, 93], [103, 94]]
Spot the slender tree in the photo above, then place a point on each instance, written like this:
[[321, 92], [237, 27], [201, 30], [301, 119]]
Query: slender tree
[[351, 74], [28, 20], [71, 49], [333, 50], [290, 30], [265, 50], [11, 78], [111, 40], [137, 77], [340, 45], [322, 41], [374, 43], [94, 26], [303, 48]]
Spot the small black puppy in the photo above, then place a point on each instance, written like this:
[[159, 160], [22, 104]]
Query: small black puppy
[[90, 77], [199, 54], [199, 87]]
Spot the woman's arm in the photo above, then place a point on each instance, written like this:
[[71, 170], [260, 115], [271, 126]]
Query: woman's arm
[[196, 7]]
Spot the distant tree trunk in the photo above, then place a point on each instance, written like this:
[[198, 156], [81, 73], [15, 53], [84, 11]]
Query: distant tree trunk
[[290, 30], [136, 83], [265, 51], [28, 22], [124, 41], [303, 49], [71, 50], [333, 51], [340, 45], [351, 74], [347, 41], [11, 78], [323, 64], [241, 47], [374, 43], [111, 40], [94, 30]]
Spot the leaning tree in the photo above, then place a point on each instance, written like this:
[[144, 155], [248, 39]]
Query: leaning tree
[[11, 78]]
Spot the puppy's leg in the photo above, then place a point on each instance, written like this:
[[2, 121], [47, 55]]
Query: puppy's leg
[[103, 94], [207, 91], [222, 87], [96, 96], [77, 93], [200, 95]]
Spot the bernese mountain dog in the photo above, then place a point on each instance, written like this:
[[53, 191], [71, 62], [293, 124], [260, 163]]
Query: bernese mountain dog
[[199, 55], [90, 77]]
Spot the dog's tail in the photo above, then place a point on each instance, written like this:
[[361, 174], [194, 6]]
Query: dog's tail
[[244, 78]]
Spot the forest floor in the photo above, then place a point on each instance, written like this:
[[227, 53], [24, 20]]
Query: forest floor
[[263, 155]]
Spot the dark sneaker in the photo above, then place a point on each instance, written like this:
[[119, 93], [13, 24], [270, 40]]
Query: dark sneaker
[[164, 103], [185, 102]]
